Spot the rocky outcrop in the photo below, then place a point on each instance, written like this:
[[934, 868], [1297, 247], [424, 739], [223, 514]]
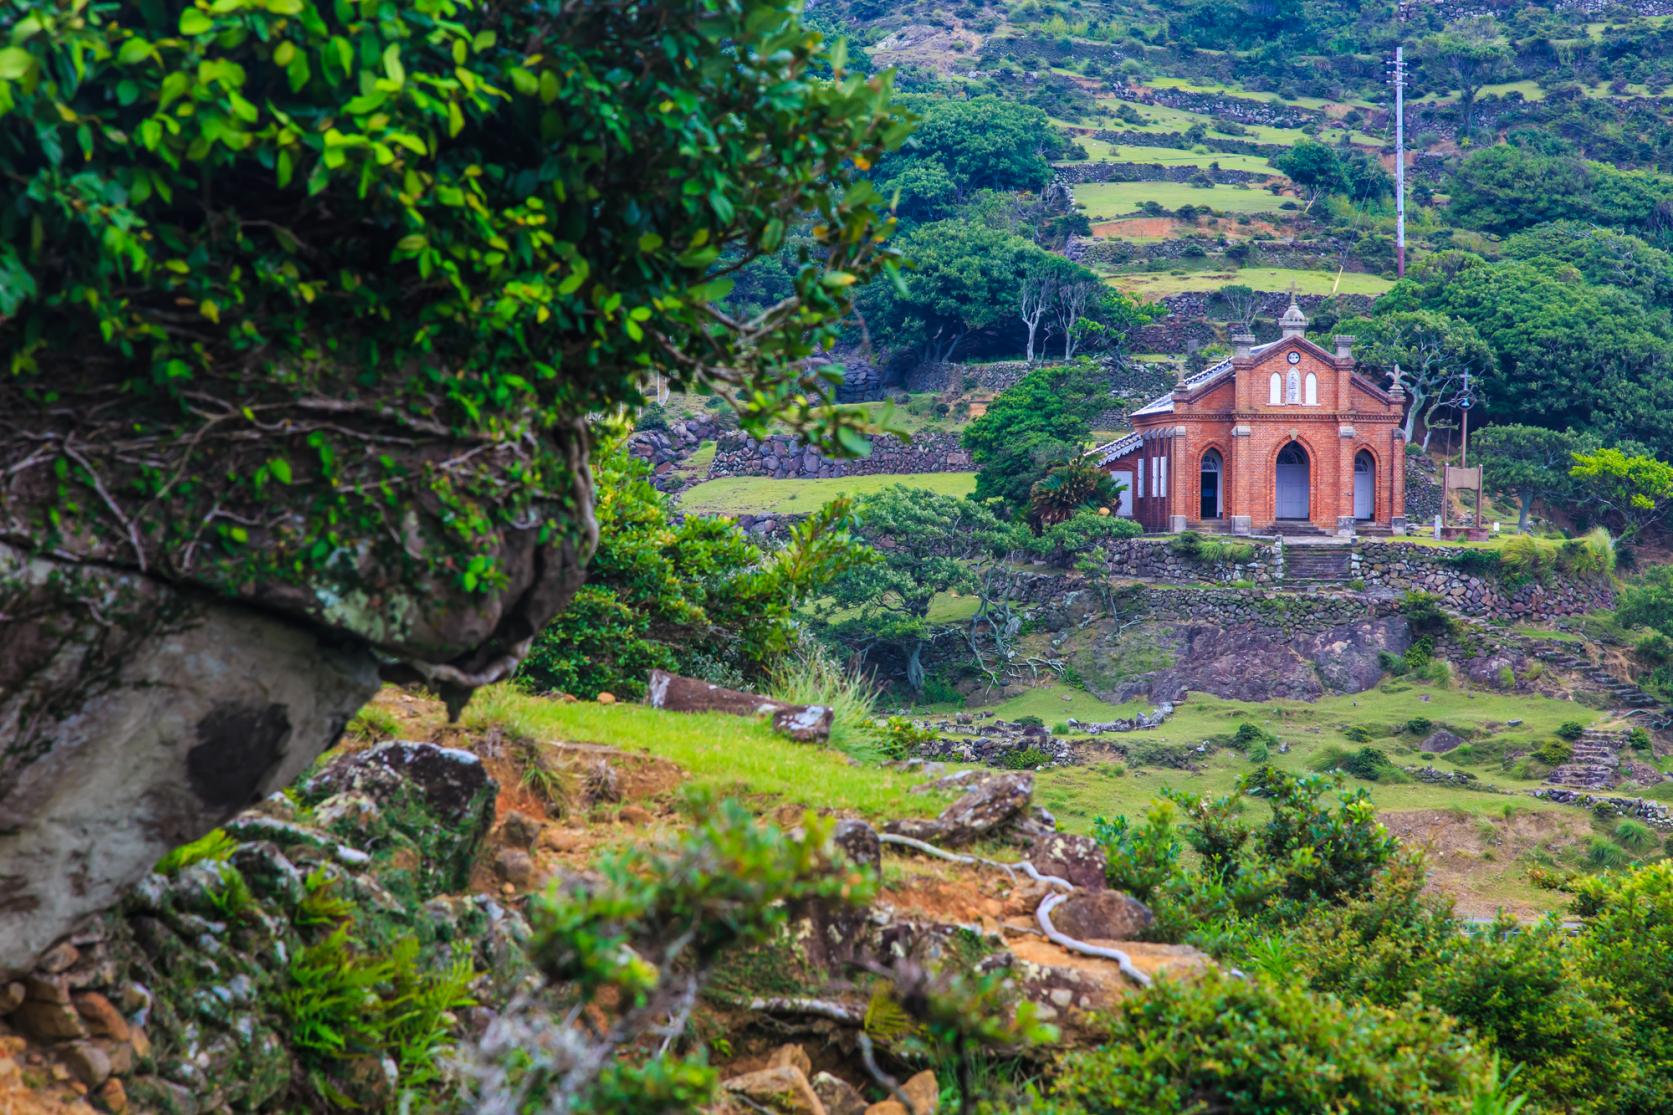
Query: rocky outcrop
[[182, 999], [137, 716], [803, 723]]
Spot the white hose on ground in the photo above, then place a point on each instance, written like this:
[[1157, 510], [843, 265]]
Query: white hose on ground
[[1064, 941], [959, 857]]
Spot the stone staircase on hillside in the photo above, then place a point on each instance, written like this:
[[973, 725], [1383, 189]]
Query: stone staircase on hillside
[[1622, 694], [1318, 564], [1596, 762]]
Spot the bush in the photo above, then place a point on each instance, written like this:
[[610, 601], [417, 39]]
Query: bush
[[1633, 835], [1420, 725], [1570, 730], [1025, 758], [1258, 1048], [1358, 733], [1368, 763], [1139, 858], [1209, 551], [1554, 752], [1423, 611], [652, 416]]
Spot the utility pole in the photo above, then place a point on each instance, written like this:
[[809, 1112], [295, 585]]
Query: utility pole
[[1399, 75]]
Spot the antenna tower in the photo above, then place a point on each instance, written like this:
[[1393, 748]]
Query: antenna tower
[[1398, 75]]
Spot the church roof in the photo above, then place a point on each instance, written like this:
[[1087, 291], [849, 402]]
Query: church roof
[[1163, 404]]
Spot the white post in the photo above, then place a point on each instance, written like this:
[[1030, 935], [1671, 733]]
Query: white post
[[1400, 161]]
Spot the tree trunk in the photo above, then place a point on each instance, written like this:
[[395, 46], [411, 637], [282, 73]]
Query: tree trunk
[[1527, 506], [915, 666], [1032, 326], [1411, 418]]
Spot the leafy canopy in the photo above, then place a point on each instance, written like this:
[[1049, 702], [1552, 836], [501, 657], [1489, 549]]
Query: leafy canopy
[[307, 288], [1036, 424]]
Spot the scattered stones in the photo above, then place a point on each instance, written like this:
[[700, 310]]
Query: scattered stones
[[1462, 779], [101, 1017], [1652, 813], [1143, 722]]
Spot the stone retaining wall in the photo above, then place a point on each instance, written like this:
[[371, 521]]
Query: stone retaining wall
[[785, 457], [1406, 567], [1077, 173], [1179, 141]]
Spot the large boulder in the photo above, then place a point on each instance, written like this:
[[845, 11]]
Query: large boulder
[[135, 717], [1104, 915], [1349, 658]]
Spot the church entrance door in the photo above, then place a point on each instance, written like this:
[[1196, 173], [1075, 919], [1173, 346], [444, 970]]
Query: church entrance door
[[1209, 507], [1365, 486], [1292, 481]]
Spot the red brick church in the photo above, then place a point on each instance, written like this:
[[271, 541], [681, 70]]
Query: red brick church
[[1283, 437]]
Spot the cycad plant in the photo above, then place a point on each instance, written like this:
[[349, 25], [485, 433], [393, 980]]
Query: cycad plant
[[1074, 485]]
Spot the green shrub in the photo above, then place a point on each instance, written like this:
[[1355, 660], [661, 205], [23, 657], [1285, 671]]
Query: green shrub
[[1025, 758], [1420, 725], [1591, 556], [1477, 562], [1639, 739], [1358, 733], [1195, 547], [342, 1004], [1217, 1043], [1554, 752], [1368, 763], [1626, 943], [899, 736], [372, 725], [811, 675], [938, 690], [1570, 730], [1507, 677], [1634, 835], [1423, 611], [1603, 853], [1139, 858], [1325, 851], [652, 416]]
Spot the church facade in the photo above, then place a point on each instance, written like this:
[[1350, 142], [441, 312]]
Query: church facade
[[1284, 437]]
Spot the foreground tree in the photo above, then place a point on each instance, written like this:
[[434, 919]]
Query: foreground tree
[[1635, 489], [303, 305]]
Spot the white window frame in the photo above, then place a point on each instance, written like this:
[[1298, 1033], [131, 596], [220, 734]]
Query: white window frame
[[1275, 394]]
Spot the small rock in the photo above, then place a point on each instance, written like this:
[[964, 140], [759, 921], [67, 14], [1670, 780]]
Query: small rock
[[792, 1055], [59, 958], [101, 1017], [1109, 915], [1078, 859], [11, 996], [113, 1097], [804, 723], [605, 697], [515, 867], [87, 1063], [922, 1090], [519, 830], [838, 1096], [995, 803], [47, 1021], [783, 1089], [858, 841], [633, 815]]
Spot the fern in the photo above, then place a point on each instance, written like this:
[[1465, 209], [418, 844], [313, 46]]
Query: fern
[[885, 1019], [213, 845]]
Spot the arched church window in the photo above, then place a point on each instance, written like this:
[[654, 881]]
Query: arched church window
[[1312, 390], [1276, 397], [1292, 387]]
